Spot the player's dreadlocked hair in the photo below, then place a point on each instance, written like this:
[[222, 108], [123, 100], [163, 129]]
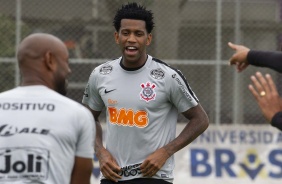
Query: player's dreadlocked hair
[[134, 11]]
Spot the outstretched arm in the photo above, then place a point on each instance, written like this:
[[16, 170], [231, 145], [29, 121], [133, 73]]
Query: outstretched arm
[[198, 123], [269, 59], [243, 57]]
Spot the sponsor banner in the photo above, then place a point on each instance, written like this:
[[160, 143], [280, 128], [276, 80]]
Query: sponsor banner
[[228, 154]]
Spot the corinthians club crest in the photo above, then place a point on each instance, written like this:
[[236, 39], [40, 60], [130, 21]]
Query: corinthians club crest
[[148, 93]]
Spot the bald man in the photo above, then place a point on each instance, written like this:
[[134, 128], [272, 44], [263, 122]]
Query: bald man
[[45, 137]]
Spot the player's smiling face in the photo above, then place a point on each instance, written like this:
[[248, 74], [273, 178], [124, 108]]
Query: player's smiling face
[[133, 39]]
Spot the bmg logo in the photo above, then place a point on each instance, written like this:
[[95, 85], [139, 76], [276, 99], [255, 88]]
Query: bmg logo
[[23, 163]]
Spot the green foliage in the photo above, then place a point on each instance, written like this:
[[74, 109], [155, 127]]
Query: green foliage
[[8, 36], [7, 73], [7, 49]]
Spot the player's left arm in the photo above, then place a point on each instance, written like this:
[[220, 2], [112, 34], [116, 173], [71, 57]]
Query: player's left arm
[[82, 170], [198, 123]]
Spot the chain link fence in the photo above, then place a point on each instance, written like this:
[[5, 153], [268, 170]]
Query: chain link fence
[[190, 35]]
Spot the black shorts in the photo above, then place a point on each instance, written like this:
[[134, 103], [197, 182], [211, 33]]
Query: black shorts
[[137, 181]]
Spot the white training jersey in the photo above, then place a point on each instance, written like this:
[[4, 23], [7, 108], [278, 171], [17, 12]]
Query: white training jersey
[[142, 107], [41, 133]]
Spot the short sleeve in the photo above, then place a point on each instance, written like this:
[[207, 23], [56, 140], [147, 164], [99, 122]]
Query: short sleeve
[[91, 96], [86, 134], [180, 92]]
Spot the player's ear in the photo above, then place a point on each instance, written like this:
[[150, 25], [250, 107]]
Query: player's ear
[[116, 37], [49, 60], [149, 39]]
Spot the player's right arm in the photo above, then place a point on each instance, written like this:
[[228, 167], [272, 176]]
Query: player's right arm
[[93, 101], [108, 164]]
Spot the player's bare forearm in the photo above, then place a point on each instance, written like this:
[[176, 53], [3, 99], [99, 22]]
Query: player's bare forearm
[[99, 138], [98, 144], [108, 164], [99, 131], [198, 123]]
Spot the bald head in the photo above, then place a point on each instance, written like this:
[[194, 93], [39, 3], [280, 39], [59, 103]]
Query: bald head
[[43, 60], [36, 45]]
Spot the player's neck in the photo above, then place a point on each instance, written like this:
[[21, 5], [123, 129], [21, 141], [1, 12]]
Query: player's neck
[[131, 67]]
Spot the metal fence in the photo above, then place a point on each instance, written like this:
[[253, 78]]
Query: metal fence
[[191, 35]]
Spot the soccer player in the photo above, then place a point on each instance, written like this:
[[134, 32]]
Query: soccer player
[[142, 96], [263, 87], [45, 137]]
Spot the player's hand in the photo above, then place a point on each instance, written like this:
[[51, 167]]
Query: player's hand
[[154, 162], [239, 58], [108, 165], [266, 95]]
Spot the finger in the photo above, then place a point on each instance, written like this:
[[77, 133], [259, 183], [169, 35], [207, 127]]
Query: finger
[[271, 84], [263, 83], [241, 66], [108, 176], [111, 172], [254, 92], [256, 84], [115, 172], [232, 46], [112, 176], [234, 60], [115, 175], [146, 169], [115, 168], [149, 172], [143, 166]]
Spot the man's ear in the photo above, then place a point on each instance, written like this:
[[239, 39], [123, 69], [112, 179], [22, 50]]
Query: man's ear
[[49, 61], [149, 39], [116, 37]]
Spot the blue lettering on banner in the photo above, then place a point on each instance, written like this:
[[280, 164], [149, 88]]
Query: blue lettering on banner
[[225, 161], [195, 163], [224, 165], [238, 137], [273, 160]]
